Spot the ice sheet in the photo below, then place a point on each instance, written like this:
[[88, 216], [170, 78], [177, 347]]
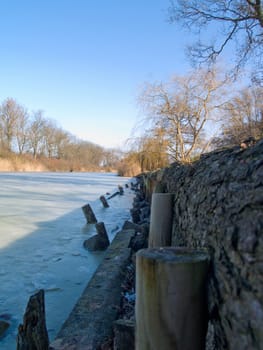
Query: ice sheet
[[42, 229]]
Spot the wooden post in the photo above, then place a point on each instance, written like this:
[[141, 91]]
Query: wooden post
[[120, 189], [161, 220], [89, 215], [32, 334], [98, 242], [104, 202], [102, 233], [171, 307]]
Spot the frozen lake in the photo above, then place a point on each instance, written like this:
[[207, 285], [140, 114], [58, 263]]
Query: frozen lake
[[42, 229]]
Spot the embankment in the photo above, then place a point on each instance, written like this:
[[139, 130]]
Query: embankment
[[218, 205]]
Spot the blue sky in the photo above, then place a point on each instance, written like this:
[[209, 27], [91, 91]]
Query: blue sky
[[83, 61]]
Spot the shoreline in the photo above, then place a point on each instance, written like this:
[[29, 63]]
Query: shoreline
[[101, 319], [73, 221], [90, 322]]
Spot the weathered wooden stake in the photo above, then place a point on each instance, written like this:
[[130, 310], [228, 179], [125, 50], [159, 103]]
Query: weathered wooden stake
[[161, 220], [171, 308], [89, 215], [98, 242], [104, 202], [32, 334], [102, 233], [120, 189]]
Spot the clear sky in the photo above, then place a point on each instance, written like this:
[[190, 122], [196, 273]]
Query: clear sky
[[83, 61]]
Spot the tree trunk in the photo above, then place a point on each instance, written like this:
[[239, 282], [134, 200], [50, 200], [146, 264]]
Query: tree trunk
[[171, 308]]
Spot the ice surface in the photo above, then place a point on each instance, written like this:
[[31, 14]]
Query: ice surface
[[42, 229]]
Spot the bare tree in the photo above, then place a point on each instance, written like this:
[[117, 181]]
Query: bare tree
[[152, 149], [238, 20], [36, 133], [111, 158], [62, 141], [21, 130], [181, 108], [129, 165], [50, 138], [242, 117], [90, 154], [10, 111]]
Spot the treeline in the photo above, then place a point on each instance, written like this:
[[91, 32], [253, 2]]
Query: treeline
[[178, 113], [32, 135], [176, 117]]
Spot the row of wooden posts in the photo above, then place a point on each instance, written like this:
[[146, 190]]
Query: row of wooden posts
[[32, 334], [88, 212], [171, 306], [101, 240]]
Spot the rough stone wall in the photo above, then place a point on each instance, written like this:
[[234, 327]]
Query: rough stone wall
[[218, 205]]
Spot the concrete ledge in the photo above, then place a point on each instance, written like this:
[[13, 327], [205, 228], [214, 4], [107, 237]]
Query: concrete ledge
[[91, 321]]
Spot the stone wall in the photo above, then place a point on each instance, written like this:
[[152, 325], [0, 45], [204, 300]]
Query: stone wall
[[218, 205]]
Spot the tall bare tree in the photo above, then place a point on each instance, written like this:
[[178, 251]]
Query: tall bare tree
[[181, 109], [36, 133], [50, 131], [242, 117], [21, 130], [10, 112], [240, 21]]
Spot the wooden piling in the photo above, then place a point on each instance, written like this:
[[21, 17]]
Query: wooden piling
[[171, 308], [104, 202], [89, 214], [102, 233], [161, 220], [98, 242], [32, 334]]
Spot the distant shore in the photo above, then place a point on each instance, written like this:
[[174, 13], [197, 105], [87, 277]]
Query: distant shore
[[29, 164]]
